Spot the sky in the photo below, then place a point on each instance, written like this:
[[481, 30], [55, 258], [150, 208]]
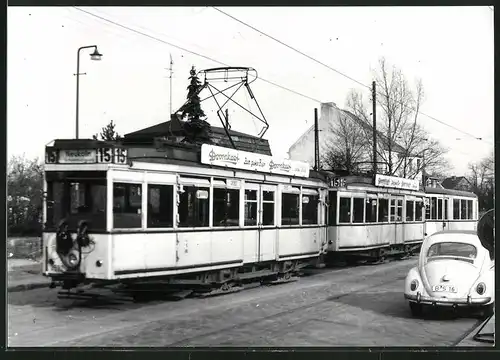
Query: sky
[[450, 48]]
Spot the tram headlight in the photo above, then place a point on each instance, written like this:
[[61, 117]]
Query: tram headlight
[[73, 259], [414, 285]]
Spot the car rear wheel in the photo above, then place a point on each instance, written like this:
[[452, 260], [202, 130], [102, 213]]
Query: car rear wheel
[[416, 309]]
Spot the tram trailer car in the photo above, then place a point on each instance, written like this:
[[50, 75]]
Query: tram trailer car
[[371, 221], [212, 223], [448, 209]]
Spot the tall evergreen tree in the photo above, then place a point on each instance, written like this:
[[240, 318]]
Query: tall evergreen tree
[[197, 129], [108, 133]]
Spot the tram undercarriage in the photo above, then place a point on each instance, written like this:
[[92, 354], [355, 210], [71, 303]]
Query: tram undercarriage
[[205, 284]]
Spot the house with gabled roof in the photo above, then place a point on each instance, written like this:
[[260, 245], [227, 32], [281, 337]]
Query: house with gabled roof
[[456, 183], [303, 148]]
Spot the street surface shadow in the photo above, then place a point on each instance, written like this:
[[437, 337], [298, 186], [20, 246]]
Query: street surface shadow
[[48, 298], [392, 303]]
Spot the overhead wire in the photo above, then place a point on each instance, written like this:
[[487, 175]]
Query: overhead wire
[[187, 50], [339, 72]]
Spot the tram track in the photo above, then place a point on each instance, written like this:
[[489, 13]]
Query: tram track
[[193, 306]]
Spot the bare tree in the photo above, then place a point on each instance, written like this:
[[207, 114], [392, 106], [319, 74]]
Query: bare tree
[[346, 146], [399, 136], [482, 180]]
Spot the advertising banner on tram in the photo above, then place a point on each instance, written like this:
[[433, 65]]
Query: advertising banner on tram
[[221, 156]]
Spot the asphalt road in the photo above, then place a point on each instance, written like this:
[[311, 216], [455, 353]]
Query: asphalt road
[[356, 306]]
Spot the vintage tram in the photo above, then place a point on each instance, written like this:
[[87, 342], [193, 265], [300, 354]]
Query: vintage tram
[[219, 219]]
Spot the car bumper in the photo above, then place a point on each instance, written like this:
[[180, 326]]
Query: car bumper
[[427, 300]]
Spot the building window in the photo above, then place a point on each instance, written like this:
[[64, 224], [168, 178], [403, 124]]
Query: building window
[[440, 209], [433, 208], [194, 207], [345, 210], [456, 209], [267, 208], [383, 210], [290, 209], [446, 209], [463, 209], [226, 207], [409, 210], [371, 210], [469, 209], [250, 207], [127, 205], [358, 209], [309, 209], [160, 206], [419, 205]]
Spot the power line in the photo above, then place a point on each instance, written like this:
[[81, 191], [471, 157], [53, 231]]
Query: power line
[[188, 51], [337, 71]]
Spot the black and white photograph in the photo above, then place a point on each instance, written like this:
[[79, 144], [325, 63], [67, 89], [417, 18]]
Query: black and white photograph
[[250, 177]]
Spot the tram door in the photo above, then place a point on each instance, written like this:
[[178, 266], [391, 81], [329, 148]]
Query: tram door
[[396, 217], [266, 220]]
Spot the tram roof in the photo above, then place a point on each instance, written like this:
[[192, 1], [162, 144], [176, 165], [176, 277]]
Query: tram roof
[[433, 190]]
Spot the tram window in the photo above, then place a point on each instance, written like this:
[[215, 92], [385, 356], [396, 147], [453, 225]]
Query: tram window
[[267, 208], [445, 209], [358, 210], [76, 201], [419, 205], [332, 208], [463, 209], [371, 210], [399, 216], [290, 209], [469, 209], [393, 210], [250, 207], [456, 209], [428, 209], [160, 206], [127, 205], [433, 208], [383, 210], [226, 208], [440, 209], [193, 208], [309, 209], [409, 210], [345, 210]]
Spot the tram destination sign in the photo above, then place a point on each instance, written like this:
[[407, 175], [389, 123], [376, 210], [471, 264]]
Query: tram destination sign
[[221, 156], [86, 156], [396, 182]]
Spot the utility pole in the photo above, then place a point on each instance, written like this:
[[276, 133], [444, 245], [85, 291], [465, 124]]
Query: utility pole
[[171, 72], [316, 141], [374, 100]]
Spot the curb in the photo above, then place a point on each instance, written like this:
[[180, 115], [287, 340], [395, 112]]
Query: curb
[[468, 341]]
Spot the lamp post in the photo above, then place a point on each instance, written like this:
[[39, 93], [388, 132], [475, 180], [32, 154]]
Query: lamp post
[[96, 56]]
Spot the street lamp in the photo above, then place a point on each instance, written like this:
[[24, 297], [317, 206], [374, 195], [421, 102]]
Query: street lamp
[[96, 56]]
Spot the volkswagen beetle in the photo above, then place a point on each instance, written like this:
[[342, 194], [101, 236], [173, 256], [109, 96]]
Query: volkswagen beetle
[[453, 270]]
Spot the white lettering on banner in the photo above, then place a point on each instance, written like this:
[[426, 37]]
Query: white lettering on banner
[[396, 182], [220, 156], [77, 156]]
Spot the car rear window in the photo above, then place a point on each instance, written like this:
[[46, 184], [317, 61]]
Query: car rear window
[[452, 249]]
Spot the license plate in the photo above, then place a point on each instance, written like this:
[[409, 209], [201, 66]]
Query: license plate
[[444, 288]]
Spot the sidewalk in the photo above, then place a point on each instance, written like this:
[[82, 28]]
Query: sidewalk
[[24, 275], [489, 327]]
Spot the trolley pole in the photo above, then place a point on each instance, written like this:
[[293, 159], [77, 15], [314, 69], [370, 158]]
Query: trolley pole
[[171, 72], [316, 140], [374, 100]]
